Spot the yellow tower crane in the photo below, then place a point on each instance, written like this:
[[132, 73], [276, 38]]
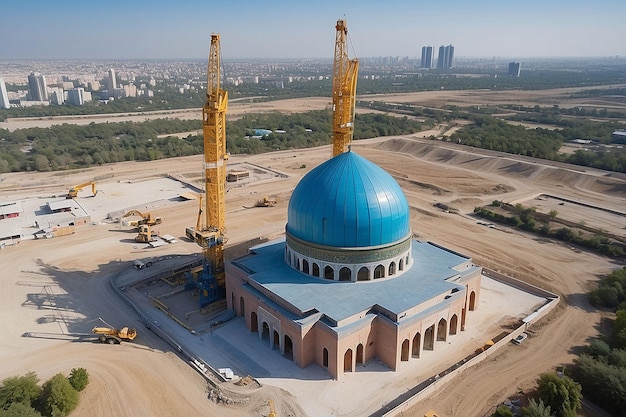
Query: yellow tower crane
[[345, 72], [209, 234]]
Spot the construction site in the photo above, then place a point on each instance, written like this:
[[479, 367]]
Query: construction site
[[148, 247]]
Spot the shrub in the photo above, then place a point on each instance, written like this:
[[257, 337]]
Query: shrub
[[79, 378]]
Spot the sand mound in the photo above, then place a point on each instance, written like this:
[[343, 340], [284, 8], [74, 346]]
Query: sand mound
[[503, 164]]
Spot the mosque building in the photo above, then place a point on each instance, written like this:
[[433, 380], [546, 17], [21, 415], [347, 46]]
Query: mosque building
[[348, 283]]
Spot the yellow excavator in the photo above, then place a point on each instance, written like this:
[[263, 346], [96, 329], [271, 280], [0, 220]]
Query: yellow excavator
[[73, 192], [145, 218], [145, 235]]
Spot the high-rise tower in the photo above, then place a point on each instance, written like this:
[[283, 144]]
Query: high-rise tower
[[111, 80], [37, 87], [514, 69], [446, 57], [427, 57], [4, 97]]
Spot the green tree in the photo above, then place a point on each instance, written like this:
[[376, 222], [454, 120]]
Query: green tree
[[79, 378], [503, 411], [20, 410], [19, 389], [536, 409], [561, 393], [58, 397]]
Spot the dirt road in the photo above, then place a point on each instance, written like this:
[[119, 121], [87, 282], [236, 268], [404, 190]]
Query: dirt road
[[59, 284]]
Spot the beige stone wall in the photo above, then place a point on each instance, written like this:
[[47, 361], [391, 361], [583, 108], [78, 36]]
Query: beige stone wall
[[379, 337]]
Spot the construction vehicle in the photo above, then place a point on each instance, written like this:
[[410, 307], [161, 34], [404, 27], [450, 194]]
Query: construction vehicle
[[266, 202], [272, 409], [73, 192], [111, 335], [145, 218], [209, 232], [345, 73], [146, 234]]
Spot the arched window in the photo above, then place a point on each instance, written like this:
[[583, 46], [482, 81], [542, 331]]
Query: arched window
[[442, 330], [305, 266], [316, 270], [401, 264], [416, 345], [429, 338], [325, 358], [454, 322], [379, 272], [298, 264], [329, 272], [472, 301], [345, 274], [288, 343], [404, 355], [363, 274], [392, 268], [347, 361], [254, 322], [359, 353], [242, 306]]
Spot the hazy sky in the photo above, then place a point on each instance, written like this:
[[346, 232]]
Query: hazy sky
[[50, 29]]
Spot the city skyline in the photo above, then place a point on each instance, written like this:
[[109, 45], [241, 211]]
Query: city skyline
[[280, 29]]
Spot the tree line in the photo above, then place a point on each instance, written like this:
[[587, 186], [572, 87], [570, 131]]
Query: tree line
[[66, 146]]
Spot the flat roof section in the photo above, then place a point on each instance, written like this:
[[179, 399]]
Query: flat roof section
[[432, 266]]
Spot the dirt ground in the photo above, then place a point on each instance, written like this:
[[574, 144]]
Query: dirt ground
[[126, 381]]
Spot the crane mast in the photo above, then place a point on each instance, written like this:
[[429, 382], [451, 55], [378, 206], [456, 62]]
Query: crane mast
[[209, 231], [345, 72]]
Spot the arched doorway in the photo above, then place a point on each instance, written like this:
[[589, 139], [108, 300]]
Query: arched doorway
[[345, 274], [242, 306], [417, 339], [442, 330], [254, 322], [472, 301], [266, 331], [454, 322], [288, 343], [325, 358], [404, 355], [329, 273], [347, 361], [429, 338], [359, 353]]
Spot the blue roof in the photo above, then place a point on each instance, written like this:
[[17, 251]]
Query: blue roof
[[348, 201]]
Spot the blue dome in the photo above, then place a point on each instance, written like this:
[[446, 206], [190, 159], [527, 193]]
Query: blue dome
[[348, 202]]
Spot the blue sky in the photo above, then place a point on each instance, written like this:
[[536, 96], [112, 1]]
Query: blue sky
[[74, 29]]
